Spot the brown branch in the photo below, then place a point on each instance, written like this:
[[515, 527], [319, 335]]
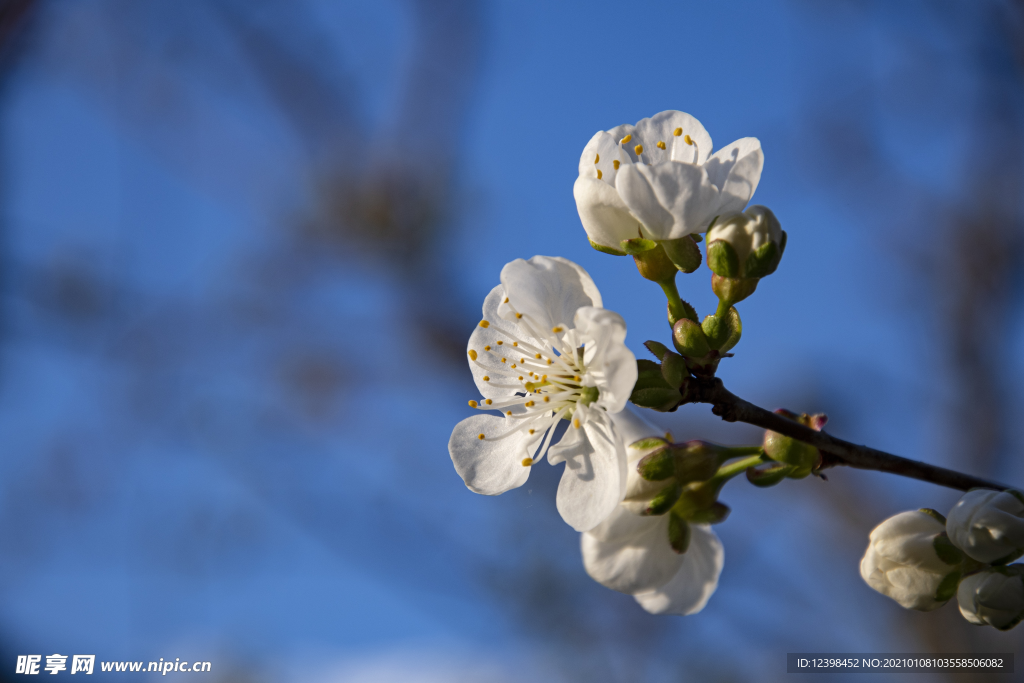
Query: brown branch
[[732, 408]]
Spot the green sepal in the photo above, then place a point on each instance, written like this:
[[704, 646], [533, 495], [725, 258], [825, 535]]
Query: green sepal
[[690, 339], [948, 586], [637, 245], [663, 500], [651, 390], [684, 253], [763, 261], [648, 443], [606, 250], [658, 466], [678, 533], [723, 334], [694, 467], [769, 476], [673, 368], [657, 348], [712, 515], [934, 514], [722, 259], [946, 551]]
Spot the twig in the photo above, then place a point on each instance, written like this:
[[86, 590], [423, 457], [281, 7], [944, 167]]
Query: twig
[[732, 408]]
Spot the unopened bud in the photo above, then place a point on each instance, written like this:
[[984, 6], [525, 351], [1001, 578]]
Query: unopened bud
[[690, 339], [746, 245], [723, 332], [994, 597], [988, 525], [684, 253], [804, 458]]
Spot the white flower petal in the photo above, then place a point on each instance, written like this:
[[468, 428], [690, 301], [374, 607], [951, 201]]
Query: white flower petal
[[662, 127], [488, 467], [594, 479], [600, 154], [736, 171], [548, 290], [672, 199], [619, 133], [637, 558], [608, 361], [483, 343], [695, 582], [604, 215]]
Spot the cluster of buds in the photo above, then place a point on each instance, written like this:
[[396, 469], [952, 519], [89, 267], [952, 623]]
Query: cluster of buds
[[922, 560]]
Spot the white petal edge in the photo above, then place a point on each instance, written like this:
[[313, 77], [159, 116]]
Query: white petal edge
[[695, 582], [594, 480], [488, 467]]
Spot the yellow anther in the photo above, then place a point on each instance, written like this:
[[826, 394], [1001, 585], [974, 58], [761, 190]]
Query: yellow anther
[[515, 343], [677, 132], [480, 436], [527, 461], [473, 404], [487, 348], [506, 300], [688, 140], [615, 164], [472, 354], [500, 342], [576, 423], [536, 355], [488, 401], [597, 158], [520, 378], [547, 399], [549, 363], [531, 431], [528, 404], [576, 377], [639, 149], [513, 366], [556, 329], [522, 360], [518, 316], [544, 378], [626, 139], [599, 174], [502, 360], [661, 145], [486, 378], [484, 323], [508, 412]]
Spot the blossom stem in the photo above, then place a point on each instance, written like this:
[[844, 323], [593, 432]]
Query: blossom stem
[[723, 309], [835, 452], [677, 308], [740, 451], [729, 471]]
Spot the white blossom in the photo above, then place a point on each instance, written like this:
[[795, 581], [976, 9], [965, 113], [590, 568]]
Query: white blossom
[[659, 180], [988, 525], [631, 554], [903, 561], [994, 597], [546, 351]]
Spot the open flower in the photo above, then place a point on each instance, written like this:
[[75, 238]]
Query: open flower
[[988, 525], [659, 180], [910, 560], [632, 554], [546, 351]]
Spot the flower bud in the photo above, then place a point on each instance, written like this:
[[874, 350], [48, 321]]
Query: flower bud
[[746, 245], [994, 597], [988, 525], [690, 339], [803, 457], [733, 289], [653, 263], [910, 560]]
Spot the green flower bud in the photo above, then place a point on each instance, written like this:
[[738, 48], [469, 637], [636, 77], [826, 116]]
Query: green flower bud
[[684, 253], [690, 339], [746, 245], [651, 390], [732, 289], [803, 457], [653, 263], [723, 332]]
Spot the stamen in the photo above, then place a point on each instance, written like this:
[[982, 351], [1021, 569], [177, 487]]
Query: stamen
[[677, 132], [508, 412], [506, 300], [556, 330], [515, 343], [661, 145], [486, 378], [480, 436], [487, 348], [500, 342], [488, 401], [615, 163], [597, 158], [688, 140], [547, 399], [513, 366], [529, 404], [502, 360], [599, 174], [639, 149], [549, 361], [472, 354], [473, 404], [531, 431], [528, 461], [626, 139], [520, 378], [537, 356], [518, 316], [484, 323], [576, 423]]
